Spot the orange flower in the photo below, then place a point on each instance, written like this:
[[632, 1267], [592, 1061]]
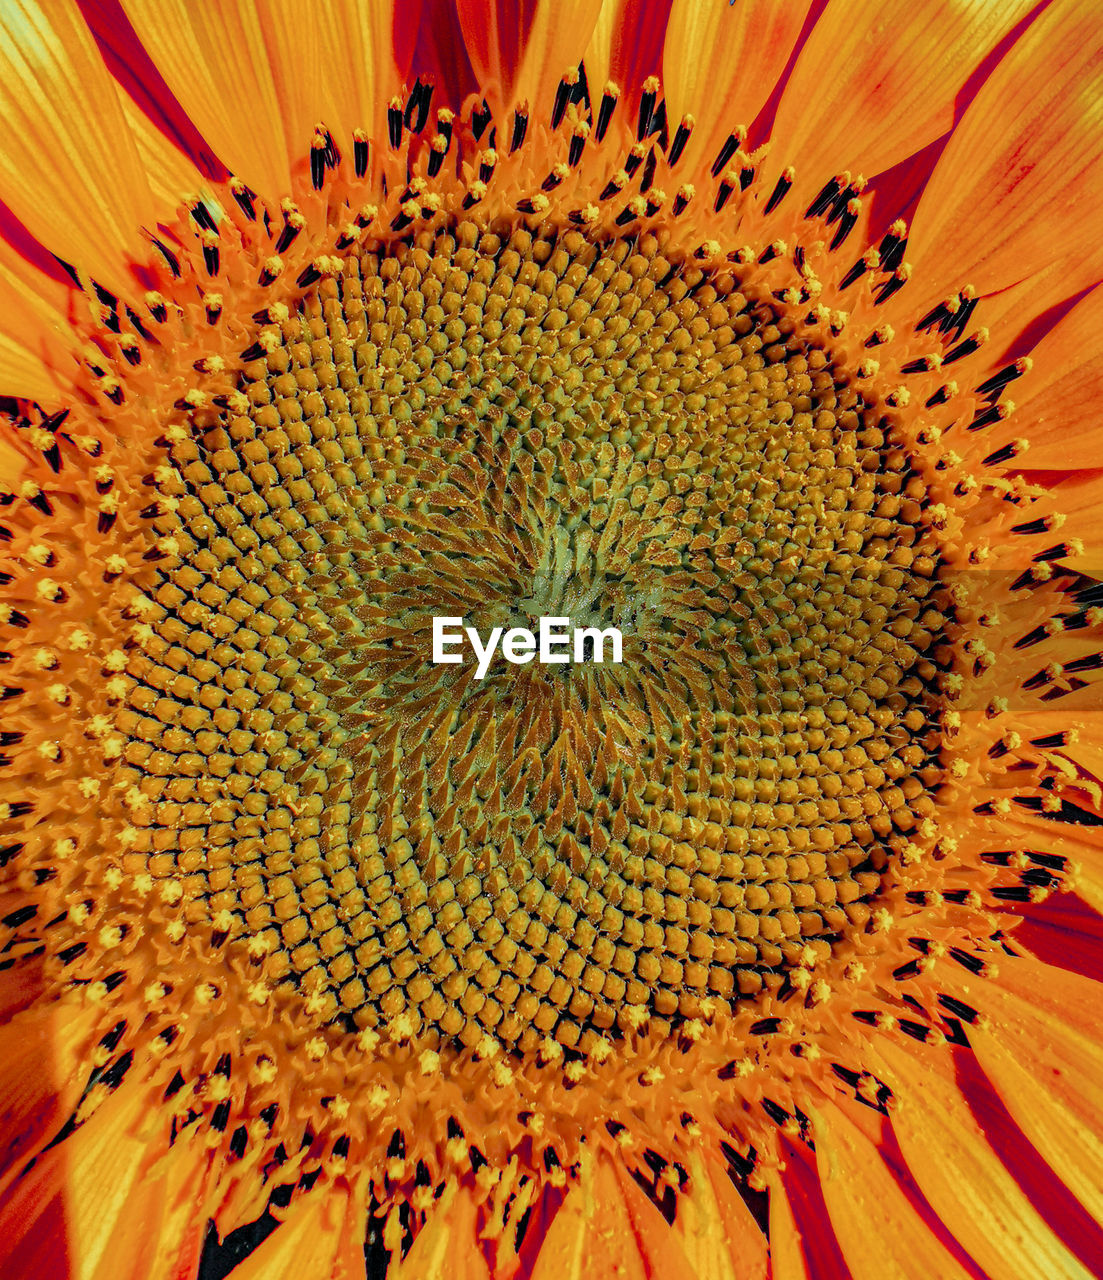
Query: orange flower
[[766, 333]]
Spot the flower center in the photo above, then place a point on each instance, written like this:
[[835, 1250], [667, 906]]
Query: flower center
[[498, 427]]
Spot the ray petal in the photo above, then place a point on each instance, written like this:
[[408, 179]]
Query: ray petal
[[962, 1177], [876, 88], [41, 1075], [803, 1245], [69, 168], [1048, 1077], [36, 340], [1021, 180], [720, 64], [607, 1226], [215, 61], [520, 52], [1055, 407], [447, 1246], [77, 1211], [715, 1227], [338, 63], [626, 47], [870, 1210], [310, 1229]]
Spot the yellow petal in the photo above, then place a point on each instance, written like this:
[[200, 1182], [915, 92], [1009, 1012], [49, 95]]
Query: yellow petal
[[786, 1255], [627, 47], [447, 1246], [310, 1229], [71, 1213], [41, 1076], [608, 1227], [1048, 1072], [171, 175], [36, 341], [69, 168], [714, 1226]]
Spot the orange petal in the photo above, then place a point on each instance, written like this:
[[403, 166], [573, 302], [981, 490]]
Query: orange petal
[[1065, 930], [440, 57], [311, 1228], [348, 1262], [719, 1236], [1018, 984], [720, 64], [340, 63], [786, 1255], [69, 168], [167, 1214], [142, 87], [1079, 497], [24, 371], [963, 1179], [608, 1227], [1048, 1074], [171, 175], [626, 47], [72, 1215], [716, 1229], [36, 340], [215, 61], [168, 146], [870, 89], [1020, 183], [520, 53], [24, 982], [447, 1246], [1056, 400], [802, 1242], [42, 1075], [872, 1214]]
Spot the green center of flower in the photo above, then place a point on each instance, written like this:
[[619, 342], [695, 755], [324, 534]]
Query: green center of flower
[[497, 428]]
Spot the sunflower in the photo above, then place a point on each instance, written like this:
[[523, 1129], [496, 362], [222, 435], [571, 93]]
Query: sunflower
[[765, 333]]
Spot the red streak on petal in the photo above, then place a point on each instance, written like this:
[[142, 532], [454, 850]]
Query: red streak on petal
[[133, 68]]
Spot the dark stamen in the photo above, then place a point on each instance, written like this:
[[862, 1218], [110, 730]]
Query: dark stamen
[[520, 128], [847, 223], [394, 126], [479, 120], [987, 417], [647, 110], [823, 201], [995, 384], [966, 348], [562, 98], [780, 191], [680, 140], [605, 113], [730, 147], [360, 156]]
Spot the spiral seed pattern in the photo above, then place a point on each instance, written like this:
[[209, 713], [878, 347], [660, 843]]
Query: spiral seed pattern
[[499, 427]]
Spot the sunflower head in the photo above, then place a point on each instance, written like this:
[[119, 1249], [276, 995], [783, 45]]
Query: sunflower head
[[504, 317]]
